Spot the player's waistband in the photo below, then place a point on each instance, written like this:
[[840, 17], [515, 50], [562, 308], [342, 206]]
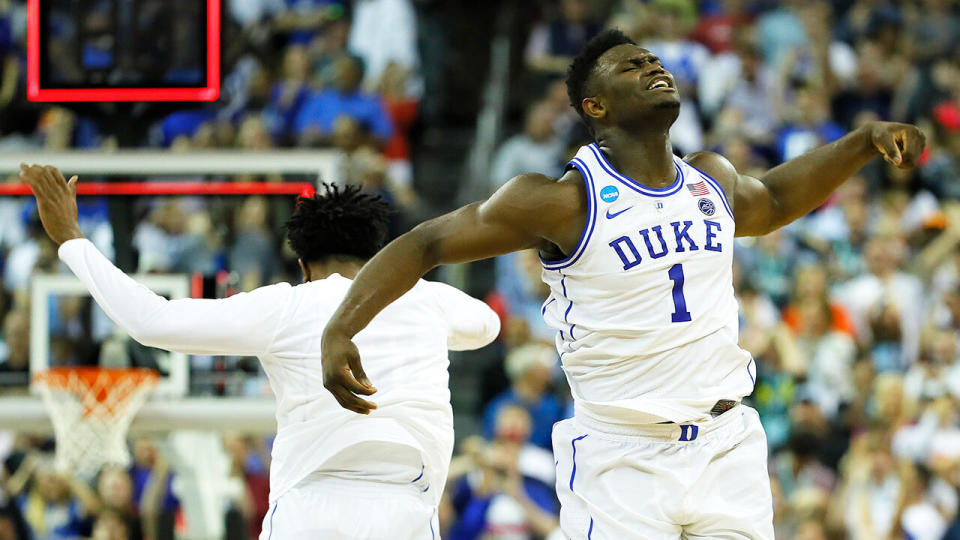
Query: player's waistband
[[362, 486], [670, 431]]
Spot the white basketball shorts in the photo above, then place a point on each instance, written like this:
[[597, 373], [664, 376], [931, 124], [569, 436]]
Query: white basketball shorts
[[665, 481], [339, 509]]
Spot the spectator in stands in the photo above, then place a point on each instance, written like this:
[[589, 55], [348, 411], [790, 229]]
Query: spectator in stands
[[301, 20], [829, 355], [289, 94], [314, 123], [537, 149], [809, 288], [403, 113], [529, 370], [250, 502], [770, 262], [15, 337], [153, 489], [174, 240], [504, 489], [808, 126], [798, 473], [518, 298], [115, 496], [717, 29], [741, 92], [552, 45], [872, 489], [384, 32], [110, 526], [253, 252], [47, 500], [886, 304]]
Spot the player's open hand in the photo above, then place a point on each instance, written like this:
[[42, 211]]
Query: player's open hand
[[56, 201], [901, 144], [343, 374]]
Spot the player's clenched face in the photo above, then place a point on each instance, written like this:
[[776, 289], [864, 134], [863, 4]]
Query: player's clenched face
[[630, 84]]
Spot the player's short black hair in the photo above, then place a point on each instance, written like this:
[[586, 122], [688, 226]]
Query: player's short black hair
[[582, 66], [338, 221]]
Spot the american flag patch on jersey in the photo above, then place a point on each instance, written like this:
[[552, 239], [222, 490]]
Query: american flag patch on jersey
[[699, 189]]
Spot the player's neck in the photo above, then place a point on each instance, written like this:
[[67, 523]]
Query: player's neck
[[322, 270], [646, 156]]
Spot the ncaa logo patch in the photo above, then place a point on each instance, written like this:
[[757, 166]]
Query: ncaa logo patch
[[707, 207], [609, 193]]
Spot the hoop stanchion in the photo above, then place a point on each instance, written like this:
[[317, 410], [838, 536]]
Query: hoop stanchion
[[91, 409], [176, 188]]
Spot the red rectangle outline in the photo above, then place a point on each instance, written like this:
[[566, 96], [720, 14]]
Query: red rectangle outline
[[208, 93], [176, 188]]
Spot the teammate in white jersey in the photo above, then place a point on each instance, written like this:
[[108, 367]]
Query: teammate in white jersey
[[334, 474], [637, 249]]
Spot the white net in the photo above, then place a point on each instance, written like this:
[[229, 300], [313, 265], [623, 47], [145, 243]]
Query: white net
[[91, 410]]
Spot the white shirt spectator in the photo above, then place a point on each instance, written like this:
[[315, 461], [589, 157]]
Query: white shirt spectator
[[864, 294], [385, 31]]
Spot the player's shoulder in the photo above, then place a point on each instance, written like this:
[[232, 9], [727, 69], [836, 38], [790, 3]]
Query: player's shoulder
[[715, 166], [541, 192], [281, 288]]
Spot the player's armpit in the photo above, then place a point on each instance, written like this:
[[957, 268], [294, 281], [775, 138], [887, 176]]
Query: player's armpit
[[751, 201], [757, 215]]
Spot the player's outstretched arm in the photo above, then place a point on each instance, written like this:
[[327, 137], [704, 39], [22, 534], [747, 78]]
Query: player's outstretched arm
[[794, 188], [242, 324], [522, 214]]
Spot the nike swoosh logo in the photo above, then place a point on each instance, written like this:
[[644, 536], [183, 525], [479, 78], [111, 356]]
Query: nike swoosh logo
[[611, 216]]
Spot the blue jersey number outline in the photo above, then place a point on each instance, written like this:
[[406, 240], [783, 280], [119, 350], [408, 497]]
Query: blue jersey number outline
[[680, 313]]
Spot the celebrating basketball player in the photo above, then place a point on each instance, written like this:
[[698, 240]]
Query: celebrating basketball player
[[637, 247], [333, 474]]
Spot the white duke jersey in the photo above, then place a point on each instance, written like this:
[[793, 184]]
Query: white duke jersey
[[408, 438], [644, 307]]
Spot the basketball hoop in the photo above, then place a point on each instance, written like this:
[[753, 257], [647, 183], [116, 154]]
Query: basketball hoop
[[91, 409]]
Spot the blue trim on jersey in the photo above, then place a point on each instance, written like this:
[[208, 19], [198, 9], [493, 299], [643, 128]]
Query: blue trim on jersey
[[590, 530], [573, 473], [275, 505], [566, 313], [587, 228], [422, 468], [633, 184], [543, 310], [433, 535], [752, 380], [716, 185]]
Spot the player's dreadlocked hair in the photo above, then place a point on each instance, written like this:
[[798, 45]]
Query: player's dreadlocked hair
[[339, 221], [582, 66]]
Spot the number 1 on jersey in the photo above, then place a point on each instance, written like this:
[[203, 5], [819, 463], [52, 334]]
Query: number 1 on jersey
[[680, 313]]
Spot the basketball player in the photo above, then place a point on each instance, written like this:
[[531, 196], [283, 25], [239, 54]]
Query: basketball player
[[636, 245], [334, 474]]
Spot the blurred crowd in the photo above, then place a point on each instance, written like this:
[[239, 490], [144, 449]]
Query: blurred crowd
[[851, 313]]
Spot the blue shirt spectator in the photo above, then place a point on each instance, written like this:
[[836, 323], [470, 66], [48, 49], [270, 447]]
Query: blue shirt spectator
[[528, 368], [322, 109]]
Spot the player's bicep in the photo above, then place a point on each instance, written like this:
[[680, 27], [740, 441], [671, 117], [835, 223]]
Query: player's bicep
[[512, 219], [753, 206], [463, 236]]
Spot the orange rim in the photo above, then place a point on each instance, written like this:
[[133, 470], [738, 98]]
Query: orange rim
[[99, 381]]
